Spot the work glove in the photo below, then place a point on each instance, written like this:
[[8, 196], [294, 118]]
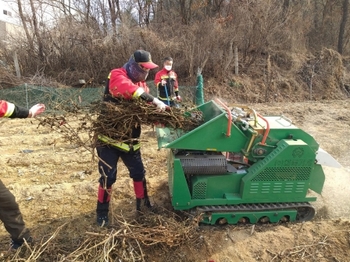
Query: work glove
[[177, 98], [158, 124], [160, 105], [36, 110], [163, 82]]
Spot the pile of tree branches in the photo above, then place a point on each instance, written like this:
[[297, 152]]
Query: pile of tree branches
[[117, 120], [124, 241]]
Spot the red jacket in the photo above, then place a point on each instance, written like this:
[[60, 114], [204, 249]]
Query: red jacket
[[10, 110], [171, 88], [121, 85], [6, 108]]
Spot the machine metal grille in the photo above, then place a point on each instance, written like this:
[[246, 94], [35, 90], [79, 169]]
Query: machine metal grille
[[199, 190], [203, 164], [284, 174]]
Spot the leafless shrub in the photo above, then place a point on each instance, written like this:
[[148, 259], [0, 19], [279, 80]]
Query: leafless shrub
[[81, 44]]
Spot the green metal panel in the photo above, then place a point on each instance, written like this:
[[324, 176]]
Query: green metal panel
[[210, 110], [181, 198], [216, 186], [170, 164], [211, 136], [317, 179], [283, 176], [282, 129], [167, 135]]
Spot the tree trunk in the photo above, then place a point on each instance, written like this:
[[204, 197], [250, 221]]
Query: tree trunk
[[185, 11], [113, 14], [36, 32], [119, 14], [229, 55], [342, 26], [25, 27], [236, 61], [15, 60], [140, 12], [87, 15]]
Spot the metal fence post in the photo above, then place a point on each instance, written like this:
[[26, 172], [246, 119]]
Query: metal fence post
[[26, 88], [199, 88]]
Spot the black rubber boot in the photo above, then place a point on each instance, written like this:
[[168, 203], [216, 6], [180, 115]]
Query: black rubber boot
[[102, 207], [138, 204], [16, 243], [146, 199], [102, 214]]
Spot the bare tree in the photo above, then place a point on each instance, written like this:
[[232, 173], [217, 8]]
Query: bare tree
[[24, 23], [36, 30], [145, 12], [86, 38], [114, 9], [185, 10], [344, 20]]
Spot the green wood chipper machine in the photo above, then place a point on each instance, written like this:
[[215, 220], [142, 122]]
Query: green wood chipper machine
[[241, 167]]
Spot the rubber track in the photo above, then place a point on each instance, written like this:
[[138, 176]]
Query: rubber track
[[253, 207]]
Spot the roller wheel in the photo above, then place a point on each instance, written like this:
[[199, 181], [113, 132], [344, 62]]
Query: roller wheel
[[305, 213]]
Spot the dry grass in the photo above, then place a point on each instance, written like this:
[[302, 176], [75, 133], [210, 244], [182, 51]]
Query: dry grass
[[7, 78]]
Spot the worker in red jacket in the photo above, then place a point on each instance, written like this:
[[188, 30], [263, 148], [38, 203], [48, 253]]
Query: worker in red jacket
[[127, 82], [10, 214], [167, 84]]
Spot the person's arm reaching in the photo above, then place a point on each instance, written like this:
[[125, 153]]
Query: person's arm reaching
[[10, 110], [140, 92]]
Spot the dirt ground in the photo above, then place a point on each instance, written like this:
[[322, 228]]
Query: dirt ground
[[55, 184]]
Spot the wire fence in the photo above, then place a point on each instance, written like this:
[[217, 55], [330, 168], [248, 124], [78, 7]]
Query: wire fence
[[55, 99]]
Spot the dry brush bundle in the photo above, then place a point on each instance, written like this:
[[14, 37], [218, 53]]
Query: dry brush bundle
[[307, 252], [117, 120], [135, 240]]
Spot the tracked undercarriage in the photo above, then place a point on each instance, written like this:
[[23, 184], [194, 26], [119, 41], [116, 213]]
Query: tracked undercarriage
[[255, 213]]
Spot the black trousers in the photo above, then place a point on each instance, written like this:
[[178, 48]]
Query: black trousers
[[11, 216], [111, 155]]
